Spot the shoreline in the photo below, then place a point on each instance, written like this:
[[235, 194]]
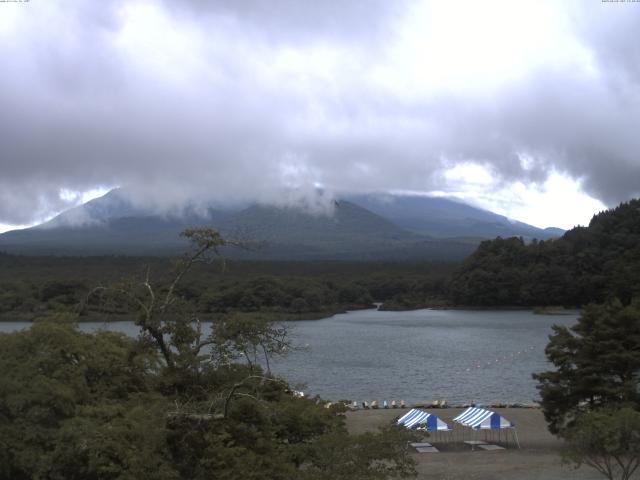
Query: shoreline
[[537, 309], [310, 316], [442, 406]]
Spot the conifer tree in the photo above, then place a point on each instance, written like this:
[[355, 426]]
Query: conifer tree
[[597, 364]]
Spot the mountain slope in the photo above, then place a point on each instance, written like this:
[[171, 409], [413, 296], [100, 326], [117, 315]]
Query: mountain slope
[[349, 232], [116, 204], [347, 222], [120, 236], [405, 227], [443, 217]]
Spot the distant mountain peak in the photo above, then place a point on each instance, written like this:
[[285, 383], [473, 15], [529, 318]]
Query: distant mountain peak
[[349, 227]]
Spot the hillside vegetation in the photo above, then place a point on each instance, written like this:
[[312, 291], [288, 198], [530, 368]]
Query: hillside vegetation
[[174, 403], [34, 286], [587, 264]]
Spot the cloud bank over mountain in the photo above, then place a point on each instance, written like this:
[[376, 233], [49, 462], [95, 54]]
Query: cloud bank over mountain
[[234, 101]]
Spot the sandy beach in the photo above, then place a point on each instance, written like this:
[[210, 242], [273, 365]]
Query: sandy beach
[[538, 458]]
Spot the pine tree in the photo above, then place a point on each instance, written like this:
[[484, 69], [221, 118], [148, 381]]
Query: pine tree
[[597, 364]]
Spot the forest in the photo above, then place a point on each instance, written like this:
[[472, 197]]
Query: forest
[[172, 403], [587, 264], [36, 286]]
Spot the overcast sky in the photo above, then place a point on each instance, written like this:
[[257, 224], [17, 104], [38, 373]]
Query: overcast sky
[[527, 108]]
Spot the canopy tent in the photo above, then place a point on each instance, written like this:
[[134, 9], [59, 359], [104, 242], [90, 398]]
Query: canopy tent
[[415, 417], [481, 419]]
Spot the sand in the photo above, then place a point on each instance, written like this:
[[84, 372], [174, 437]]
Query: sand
[[538, 458]]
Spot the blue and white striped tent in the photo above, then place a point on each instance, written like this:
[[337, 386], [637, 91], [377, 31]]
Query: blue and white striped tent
[[415, 417], [481, 419]]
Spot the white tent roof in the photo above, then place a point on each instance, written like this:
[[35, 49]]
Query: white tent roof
[[416, 417], [481, 419]]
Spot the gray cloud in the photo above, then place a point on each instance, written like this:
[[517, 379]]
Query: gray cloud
[[287, 21], [231, 115]]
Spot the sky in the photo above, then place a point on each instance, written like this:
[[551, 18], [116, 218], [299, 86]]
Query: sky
[[527, 108]]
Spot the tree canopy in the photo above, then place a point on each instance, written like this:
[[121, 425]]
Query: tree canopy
[[591, 264], [607, 440], [174, 403], [597, 363]]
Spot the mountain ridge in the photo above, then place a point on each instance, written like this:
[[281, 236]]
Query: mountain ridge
[[356, 227]]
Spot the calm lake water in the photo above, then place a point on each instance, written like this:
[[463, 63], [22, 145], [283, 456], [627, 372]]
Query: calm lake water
[[422, 355]]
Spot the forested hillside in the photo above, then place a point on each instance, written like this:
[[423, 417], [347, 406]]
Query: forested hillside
[[587, 264], [35, 286]]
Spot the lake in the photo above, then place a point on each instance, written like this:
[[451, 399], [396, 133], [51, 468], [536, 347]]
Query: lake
[[422, 355]]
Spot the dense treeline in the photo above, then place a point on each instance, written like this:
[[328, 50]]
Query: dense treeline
[[587, 264], [33, 286]]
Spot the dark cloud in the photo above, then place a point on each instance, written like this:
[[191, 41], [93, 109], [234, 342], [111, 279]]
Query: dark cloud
[[244, 100]]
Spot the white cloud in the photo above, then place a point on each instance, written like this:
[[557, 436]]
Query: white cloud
[[5, 227], [559, 201], [236, 100]]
